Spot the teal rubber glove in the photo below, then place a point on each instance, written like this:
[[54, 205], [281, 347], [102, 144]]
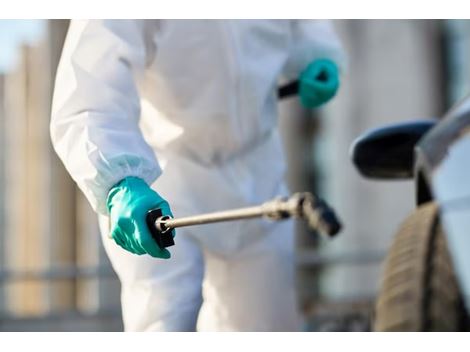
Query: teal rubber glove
[[128, 203], [318, 83]]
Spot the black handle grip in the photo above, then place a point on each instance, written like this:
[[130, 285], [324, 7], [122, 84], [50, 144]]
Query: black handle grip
[[288, 90], [163, 239]]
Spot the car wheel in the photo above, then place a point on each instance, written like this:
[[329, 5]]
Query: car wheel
[[419, 291]]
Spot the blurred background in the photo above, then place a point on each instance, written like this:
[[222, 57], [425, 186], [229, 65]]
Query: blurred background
[[54, 274]]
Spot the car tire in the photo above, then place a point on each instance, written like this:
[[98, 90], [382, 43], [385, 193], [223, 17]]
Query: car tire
[[419, 291]]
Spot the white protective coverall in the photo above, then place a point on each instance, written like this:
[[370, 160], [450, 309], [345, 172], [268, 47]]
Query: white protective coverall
[[190, 107]]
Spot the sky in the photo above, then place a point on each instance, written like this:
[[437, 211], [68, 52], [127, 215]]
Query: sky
[[14, 33]]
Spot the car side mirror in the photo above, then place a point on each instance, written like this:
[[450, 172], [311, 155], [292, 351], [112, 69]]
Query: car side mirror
[[388, 152]]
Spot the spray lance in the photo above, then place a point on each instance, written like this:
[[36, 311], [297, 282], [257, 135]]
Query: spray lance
[[318, 215]]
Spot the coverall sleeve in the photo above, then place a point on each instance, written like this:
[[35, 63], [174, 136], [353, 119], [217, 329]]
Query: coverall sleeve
[[311, 40], [96, 107]]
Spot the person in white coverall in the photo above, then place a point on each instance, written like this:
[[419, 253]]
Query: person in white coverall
[[188, 108]]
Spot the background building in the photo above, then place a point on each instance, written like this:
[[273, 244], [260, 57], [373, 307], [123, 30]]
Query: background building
[[54, 274]]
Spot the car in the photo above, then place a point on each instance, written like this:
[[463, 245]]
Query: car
[[426, 278]]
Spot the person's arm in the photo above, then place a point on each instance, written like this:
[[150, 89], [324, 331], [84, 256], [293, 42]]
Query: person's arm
[[95, 131], [96, 107], [316, 60]]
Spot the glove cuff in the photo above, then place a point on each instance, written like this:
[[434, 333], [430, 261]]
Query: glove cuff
[[129, 182]]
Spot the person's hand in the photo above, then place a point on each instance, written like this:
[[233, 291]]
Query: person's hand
[[318, 83], [128, 203]]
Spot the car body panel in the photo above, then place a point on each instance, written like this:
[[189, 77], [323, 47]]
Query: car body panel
[[443, 158]]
